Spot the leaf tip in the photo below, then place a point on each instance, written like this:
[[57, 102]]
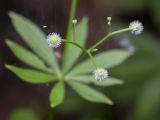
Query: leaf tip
[[85, 19], [121, 82], [7, 66], [109, 102], [8, 42], [11, 14], [52, 105]]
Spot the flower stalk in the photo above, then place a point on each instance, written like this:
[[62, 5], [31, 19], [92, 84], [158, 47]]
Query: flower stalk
[[74, 29], [107, 37], [71, 17], [89, 51]]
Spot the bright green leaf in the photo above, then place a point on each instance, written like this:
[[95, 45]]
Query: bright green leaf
[[80, 78], [109, 82], [72, 52], [89, 93], [24, 55], [89, 79], [34, 37], [107, 60], [57, 94], [31, 76]]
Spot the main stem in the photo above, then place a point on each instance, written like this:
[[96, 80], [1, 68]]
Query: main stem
[[74, 32], [88, 51], [69, 27], [71, 17], [84, 50]]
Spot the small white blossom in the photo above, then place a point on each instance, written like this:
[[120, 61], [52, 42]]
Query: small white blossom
[[54, 40], [44, 26], [137, 27], [100, 74], [109, 20], [74, 21]]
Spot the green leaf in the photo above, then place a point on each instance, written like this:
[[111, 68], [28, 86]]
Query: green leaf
[[72, 52], [23, 114], [57, 94], [89, 79], [107, 60], [80, 78], [89, 93], [31, 76], [35, 38], [24, 55], [109, 82]]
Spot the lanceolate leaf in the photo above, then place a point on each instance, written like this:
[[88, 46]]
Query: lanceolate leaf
[[80, 78], [89, 79], [34, 37], [109, 82], [31, 76], [71, 52], [89, 93], [57, 94], [24, 55], [107, 60]]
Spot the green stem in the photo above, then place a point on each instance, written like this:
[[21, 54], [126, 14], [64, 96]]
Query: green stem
[[88, 51], [107, 37], [92, 59], [100, 42], [74, 32], [71, 17], [121, 31], [76, 44], [110, 28], [69, 27], [83, 49]]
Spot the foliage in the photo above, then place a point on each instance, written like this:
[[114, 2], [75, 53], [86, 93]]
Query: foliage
[[45, 67]]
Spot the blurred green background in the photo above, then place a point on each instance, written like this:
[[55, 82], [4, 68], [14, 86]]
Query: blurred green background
[[137, 99]]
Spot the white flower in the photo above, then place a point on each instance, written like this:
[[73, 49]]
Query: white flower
[[74, 21], [109, 20], [54, 40], [100, 74], [44, 26], [137, 27]]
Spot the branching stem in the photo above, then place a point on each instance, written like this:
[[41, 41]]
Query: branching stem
[[71, 16], [88, 51]]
